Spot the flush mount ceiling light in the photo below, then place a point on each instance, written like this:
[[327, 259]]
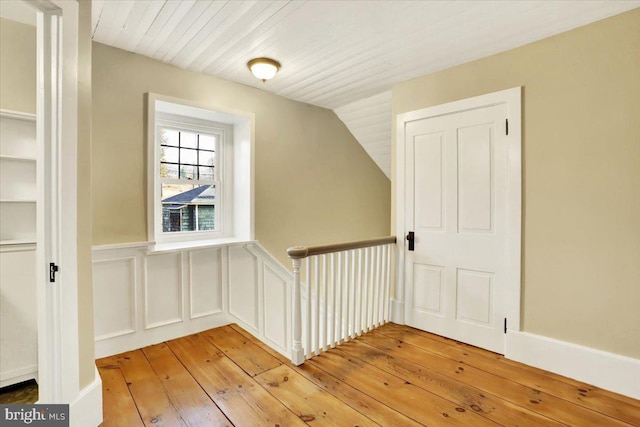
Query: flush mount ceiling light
[[263, 68]]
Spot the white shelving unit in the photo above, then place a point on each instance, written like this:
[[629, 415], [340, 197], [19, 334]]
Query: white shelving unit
[[18, 194], [17, 177]]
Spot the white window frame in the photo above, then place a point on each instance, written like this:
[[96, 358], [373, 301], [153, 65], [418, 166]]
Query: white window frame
[[223, 176], [238, 217]]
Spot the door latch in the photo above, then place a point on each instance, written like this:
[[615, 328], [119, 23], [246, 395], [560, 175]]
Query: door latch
[[411, 240], [53, 269]]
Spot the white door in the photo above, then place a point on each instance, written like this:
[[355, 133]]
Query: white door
[[57, 117], [457, 168]]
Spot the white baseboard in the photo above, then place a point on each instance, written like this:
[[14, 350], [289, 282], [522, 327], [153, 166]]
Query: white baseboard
[[122, 343], [18, 375], [609, 371], [86, 409]]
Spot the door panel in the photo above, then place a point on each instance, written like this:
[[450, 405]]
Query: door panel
[[428, 293], [428, 180], [475, 180], [455, 202]]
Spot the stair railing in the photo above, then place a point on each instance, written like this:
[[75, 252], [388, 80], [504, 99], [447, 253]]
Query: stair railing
[[346, 293]]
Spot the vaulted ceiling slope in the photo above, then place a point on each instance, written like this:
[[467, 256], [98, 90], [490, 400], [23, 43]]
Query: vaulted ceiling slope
[[335, 53], [369, 121]]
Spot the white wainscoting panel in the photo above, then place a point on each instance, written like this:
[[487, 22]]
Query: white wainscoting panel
[[163, 289], [18, 314], [243, 286], [115, 289], [277, 307], [143, 298], [205, 282]]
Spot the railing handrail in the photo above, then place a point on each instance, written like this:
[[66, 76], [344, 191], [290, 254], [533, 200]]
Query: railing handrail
[[300, 252]]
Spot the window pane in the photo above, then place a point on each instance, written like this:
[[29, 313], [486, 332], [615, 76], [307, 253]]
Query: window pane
[[168, 193], [206, 173], [169, 154], [168, 170], [179, 212], [206, 217], [207, 158], [207, 142], [169, 137], [188, 156], [188, 172], [188, 139]]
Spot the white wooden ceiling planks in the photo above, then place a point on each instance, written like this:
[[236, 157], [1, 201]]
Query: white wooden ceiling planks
[[336, 53], [369, 120]]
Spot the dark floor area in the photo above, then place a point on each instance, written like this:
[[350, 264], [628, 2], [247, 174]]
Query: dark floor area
[[25, 392]]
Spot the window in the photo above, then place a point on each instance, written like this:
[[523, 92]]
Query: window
[[188, 177], [200, 173], [191, 175]]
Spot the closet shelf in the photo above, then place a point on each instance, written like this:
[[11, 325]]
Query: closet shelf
[[17, 201], [9, 242], [17, 158]]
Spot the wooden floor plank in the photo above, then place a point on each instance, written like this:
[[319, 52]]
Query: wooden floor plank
[[523, 375], [118, 407], [260, 344], [242, 351], [308, 400], [466, 396], [365, 404], [527, 397], [579, 385], [241, 399], [393, 376], [153, 404], [192, 403], [418, 404]]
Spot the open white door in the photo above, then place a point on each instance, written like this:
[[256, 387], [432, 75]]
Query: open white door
[[57, 63], [459, 197]]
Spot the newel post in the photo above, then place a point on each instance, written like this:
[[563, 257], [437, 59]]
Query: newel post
[[297, 352]]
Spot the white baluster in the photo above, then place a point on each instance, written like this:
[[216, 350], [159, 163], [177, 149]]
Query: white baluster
[[371, 288], [332, 286], [387, 298], [357, 301], [338, 312], [316, 324], [378, 297], [350, 283], [297, 352], [383, 290], [325, 281], [308, 348]]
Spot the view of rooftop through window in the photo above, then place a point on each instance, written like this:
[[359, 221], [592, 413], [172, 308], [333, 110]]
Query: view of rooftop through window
[[187, 173]]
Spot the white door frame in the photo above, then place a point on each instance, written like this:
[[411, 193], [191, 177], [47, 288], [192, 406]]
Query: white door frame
[[57, 97], [512, 99]]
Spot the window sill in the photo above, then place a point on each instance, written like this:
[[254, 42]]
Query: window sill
[[195, 244]]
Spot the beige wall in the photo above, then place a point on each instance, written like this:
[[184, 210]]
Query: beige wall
[[581, 156], [85, 277], [17, 66], [314, 183]]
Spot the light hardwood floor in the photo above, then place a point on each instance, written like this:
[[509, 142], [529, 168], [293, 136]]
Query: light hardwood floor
[[393, 376]]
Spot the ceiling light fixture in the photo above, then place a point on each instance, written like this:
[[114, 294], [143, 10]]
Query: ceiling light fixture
[[263, 68]]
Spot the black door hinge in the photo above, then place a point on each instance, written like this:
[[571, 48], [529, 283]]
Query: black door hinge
[[505, 325], [506, 126], [53, 269]]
